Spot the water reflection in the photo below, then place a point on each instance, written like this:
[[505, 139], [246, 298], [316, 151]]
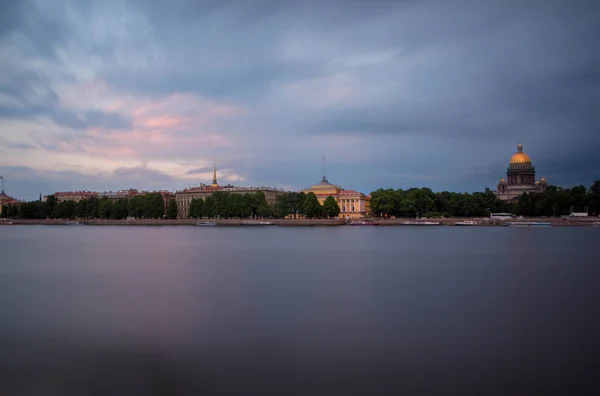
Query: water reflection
[[185, 310]]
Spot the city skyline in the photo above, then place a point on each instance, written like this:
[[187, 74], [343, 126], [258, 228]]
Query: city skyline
[[111, 96]]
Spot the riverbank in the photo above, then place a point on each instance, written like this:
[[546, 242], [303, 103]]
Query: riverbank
[[297, 222]]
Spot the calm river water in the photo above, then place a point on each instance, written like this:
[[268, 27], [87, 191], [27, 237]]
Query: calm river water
[[109, 310]]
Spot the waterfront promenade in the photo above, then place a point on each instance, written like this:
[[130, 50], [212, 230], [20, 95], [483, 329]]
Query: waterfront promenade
[[301, 222]]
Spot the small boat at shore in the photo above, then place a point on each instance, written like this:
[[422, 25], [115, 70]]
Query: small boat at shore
[[206, 223], [6, 223], [528, 224], [466, 223], [422, 223], [363, 223], [596, 224], [257, 223], [74, 223]]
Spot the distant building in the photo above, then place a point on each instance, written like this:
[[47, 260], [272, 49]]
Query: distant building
[[75, 196], [5, 199], [520, 178], [184, 197], [116, 195], [352, 203]]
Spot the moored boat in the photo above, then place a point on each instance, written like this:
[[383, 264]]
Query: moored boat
[[363, 223], [74, 223], [596, 224], [528, 224], [6, 223], [206, 223], [257, 223], [423, 223], [466, 223]]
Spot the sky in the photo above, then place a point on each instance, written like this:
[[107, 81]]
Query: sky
[[118, 94]]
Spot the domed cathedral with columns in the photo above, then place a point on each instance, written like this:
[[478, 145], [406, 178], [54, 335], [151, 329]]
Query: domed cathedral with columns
[[353, 204], [520, 178]]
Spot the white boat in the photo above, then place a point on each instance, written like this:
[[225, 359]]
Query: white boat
[[6, 223], [74, 223], [363, 223], [528, 224], [206, 223], [596, 224], [422, 223], [466, 223], [257, 223]]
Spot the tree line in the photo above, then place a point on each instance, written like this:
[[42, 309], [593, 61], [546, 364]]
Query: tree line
[[146, 206], [301, 205], [423, 202], [557, 201]]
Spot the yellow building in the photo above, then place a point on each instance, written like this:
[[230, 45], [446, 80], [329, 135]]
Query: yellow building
[[5, 199], [353, 204], [520, 178]]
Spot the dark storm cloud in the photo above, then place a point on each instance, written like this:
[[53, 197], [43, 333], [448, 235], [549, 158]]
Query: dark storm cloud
[[395, 93]]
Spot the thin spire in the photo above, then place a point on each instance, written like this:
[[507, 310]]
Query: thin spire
[[2, 178], [214, 172], [324, 178]]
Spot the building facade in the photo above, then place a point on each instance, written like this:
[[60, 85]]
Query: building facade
[[184, 197], [6, 200], [520, 178], [75, 196], [121, 194], [353, 204]]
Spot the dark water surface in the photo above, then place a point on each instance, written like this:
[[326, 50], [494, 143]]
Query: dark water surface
[[341, 310]]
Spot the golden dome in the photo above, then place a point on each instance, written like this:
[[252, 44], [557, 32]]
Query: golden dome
[[543, 179], [520, 157], [502, 180]]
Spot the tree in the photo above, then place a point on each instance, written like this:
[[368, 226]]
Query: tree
[[196, 208], [51, 202], [331, 207], [312, 208], [172, 209], [260, 202], [121, 209], [136, 206], [153, 206]]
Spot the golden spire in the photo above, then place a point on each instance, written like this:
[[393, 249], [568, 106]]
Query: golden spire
[[519, 148], [214, 183]]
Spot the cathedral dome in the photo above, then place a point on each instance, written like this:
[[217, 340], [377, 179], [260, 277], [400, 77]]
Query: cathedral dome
[[520, 157]]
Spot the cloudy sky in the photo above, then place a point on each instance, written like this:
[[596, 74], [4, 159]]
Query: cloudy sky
[[117, 94]]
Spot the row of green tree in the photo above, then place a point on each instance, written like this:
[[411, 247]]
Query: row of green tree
[[149, 206], [301, 205], [227, 206], [556, 201], [423, 202]]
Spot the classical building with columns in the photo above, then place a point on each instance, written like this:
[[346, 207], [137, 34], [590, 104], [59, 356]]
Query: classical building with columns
[[520, 178], [353, 204]]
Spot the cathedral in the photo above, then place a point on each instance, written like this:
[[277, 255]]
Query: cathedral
[[520, 178]]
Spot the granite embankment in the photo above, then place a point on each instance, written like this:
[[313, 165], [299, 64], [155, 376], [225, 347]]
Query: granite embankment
[[300, 222]]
